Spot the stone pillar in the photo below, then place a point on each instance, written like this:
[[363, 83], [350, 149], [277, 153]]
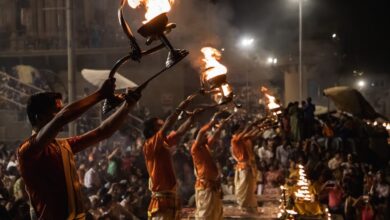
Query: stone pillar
[[33, 28], [60, 4], [291, 84], [50, 18], [41, 28]]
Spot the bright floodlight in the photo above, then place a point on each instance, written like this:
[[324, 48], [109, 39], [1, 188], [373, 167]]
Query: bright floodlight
[[361, 83], [334, 35], [247, 42], [272, 60]]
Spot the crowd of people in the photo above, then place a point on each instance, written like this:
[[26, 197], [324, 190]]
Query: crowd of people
[[114, 176]]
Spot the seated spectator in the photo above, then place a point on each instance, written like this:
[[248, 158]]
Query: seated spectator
[[335, 196], [380, 193], [265, 152]]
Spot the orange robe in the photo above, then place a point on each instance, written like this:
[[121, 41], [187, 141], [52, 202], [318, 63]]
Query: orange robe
[[207, 187], [51, 179], [246, 173], [205, 167], [242, 151], [162, 180]]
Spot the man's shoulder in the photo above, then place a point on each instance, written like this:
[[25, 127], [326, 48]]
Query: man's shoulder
[[25, 145]]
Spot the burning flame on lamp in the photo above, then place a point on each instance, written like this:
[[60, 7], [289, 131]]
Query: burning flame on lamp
[[271, 100], [212, 65], [214, 75], [153, 7]]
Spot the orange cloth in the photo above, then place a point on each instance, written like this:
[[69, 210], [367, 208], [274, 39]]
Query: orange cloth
[[205, 167], [242, 151], [161, 174], [50, 177]]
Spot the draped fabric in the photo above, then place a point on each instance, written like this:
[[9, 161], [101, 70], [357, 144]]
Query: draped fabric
[[73, 186], [208, 204], [245, 187]]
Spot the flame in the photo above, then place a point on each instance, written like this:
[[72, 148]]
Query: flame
[[213, 67], [226, 90], [271, 99], [153, 7]]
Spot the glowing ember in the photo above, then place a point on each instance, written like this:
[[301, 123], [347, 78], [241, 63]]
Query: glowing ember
[[213, 67], [153, 7]]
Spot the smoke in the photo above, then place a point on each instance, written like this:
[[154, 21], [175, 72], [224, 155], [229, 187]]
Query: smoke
[[201, 23]]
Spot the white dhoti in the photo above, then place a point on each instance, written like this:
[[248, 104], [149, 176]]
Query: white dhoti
[[208, 204], [245, 188]]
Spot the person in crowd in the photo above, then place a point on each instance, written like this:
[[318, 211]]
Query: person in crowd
[[114, 170], [308, 117], [380, 193], [162, 180], [335, 196], [58, 195], [266, 152], [283, 152], [335, 162], [110, 209], [92, 179], [295, 122]]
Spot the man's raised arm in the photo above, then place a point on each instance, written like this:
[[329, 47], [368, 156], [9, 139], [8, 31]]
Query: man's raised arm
[[108, 126], [72, 112], [171, 120]]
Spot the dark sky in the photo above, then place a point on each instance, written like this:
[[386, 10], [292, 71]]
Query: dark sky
[[362, 27]]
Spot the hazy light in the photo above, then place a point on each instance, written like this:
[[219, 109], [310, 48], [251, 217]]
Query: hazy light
[[246, 42], [272, 60], [361, 83], [334, 35]]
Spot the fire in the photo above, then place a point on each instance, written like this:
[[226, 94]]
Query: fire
[[213, 67], [271, 99], [153, 7], [226, 90]]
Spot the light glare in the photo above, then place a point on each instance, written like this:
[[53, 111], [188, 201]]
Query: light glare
[[361, 83]]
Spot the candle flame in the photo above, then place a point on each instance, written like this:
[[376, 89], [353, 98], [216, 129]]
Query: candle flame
[[211, 59], [153, 7]]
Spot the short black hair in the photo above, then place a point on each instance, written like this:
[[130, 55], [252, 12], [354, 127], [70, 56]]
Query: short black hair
[[39, 104], [149, 126]]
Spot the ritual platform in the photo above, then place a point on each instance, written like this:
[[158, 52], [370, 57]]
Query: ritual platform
[[268, 207]]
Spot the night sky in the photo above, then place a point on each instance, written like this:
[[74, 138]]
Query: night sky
[[362, 27]]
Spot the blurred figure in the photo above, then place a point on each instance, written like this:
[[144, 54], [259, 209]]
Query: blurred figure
[[92, 179], [295, 122], [380, 193], [308, 118]]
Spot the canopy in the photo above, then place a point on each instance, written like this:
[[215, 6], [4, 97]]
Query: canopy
[[352, 101], [97, 77]]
